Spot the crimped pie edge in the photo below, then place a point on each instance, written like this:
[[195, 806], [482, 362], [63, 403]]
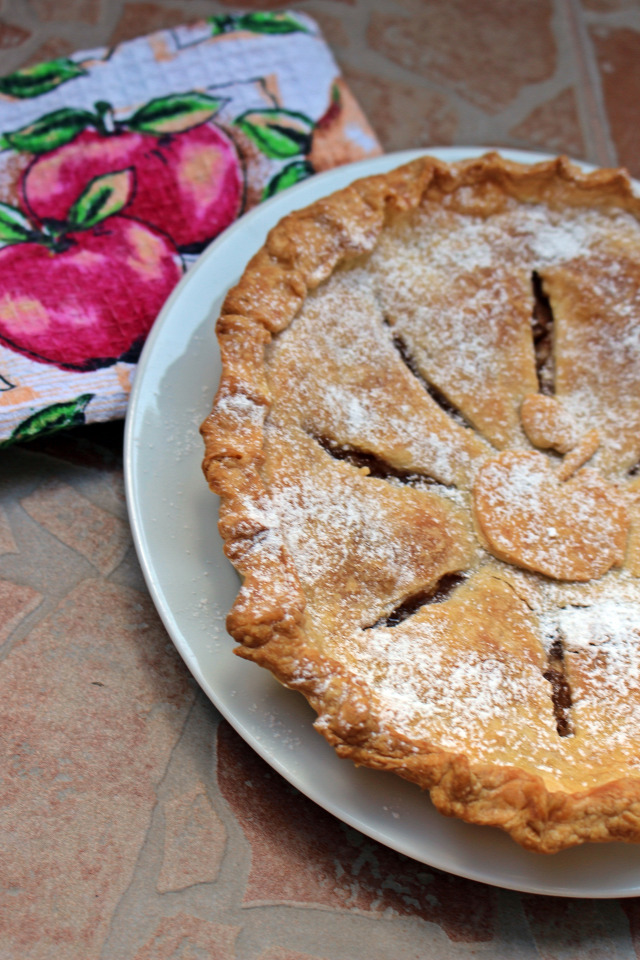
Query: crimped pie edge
[[300, 253]]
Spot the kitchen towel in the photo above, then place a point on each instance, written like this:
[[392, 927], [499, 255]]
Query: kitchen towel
[[118, 166]]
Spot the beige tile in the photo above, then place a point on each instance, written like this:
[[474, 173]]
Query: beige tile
[[16, 602], [194, 839], [486, 52], [404, 116], [554, 126], [93, 532], [93, 701], [183, 937]]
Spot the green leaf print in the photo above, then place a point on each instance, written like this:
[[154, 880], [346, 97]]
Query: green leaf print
[[175, 113], [292, 173], [50, 131], [59, 416], [279, 134], [14, 226], [264, 22], [39, 79], [258, 22], [103, 197]]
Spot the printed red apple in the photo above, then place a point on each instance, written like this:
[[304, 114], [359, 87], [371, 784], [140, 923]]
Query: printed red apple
[[189, 181], [87, 297]]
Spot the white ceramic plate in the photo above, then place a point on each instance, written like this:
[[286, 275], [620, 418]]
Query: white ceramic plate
[[174, 515]]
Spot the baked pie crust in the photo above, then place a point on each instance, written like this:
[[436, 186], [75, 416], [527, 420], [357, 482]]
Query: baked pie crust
[[426, 441]]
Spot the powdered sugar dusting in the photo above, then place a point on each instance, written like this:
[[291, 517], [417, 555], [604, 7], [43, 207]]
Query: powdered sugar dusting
[[336, 366], [241, 409], [456, 289], [613, 624], [602, 644], [353, 540], [571, 530]]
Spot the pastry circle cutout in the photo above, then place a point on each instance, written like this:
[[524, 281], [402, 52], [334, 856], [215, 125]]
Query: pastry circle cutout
[[571, 530]]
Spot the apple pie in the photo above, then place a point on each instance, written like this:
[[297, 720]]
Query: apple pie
[[426, 441]]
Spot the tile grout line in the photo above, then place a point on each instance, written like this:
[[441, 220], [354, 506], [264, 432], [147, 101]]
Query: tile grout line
[[598, 134], [157, 810]]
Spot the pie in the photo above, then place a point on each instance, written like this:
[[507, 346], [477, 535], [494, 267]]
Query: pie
[[426, 441]]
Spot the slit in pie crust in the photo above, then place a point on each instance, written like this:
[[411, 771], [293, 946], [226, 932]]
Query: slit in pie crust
[[426, 441]]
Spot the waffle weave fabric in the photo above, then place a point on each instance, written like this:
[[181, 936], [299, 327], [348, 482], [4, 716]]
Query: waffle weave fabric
[[118, 166]]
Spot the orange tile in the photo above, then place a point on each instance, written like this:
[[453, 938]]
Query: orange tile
[[92, 703], [16, 602], [7, 541], [99, 536], [51, 49], [302, 855], [12, 35], [404, 116], [79, 11], [140, 18], [487, 52], [554, 126], [333, 28], [618, 53]]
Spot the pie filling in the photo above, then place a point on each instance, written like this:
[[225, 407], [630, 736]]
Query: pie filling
[[560, 687], [450, 459], [542, 330]]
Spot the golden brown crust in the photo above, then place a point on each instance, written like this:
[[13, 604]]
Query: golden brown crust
[[269, 617]]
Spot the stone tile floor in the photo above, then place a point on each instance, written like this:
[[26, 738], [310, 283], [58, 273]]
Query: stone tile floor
[[557, 75], [135, 824]]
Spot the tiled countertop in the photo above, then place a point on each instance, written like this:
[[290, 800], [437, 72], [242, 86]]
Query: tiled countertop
[[136, 825]]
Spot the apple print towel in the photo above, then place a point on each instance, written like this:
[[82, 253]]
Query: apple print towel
[[118, 166]]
